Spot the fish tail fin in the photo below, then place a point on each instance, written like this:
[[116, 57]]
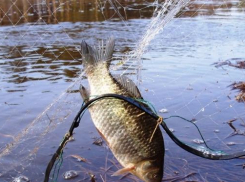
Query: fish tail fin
[[93, 57]]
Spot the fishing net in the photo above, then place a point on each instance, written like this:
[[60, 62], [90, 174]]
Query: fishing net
[[186, 57]]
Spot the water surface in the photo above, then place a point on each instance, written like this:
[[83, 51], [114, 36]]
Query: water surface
[[40, 59]]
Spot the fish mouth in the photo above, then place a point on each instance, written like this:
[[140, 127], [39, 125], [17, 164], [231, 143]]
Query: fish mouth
[[149, 171]]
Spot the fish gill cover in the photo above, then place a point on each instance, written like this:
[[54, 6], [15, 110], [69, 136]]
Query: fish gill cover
[[186, 59]]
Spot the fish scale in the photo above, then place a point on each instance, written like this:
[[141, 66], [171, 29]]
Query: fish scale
[[124, 127], [106, 123]]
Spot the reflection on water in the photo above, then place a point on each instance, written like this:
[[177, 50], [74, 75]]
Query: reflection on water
[[23, 65], [53, 11], [40, 58]]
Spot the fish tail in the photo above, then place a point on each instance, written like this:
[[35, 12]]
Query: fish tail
[[93, 57]]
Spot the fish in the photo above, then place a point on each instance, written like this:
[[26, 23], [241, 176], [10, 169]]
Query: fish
[[133, 136]]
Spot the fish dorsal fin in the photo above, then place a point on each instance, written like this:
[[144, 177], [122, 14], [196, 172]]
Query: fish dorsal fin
[[93, 56], [128, 85], [127, 169]]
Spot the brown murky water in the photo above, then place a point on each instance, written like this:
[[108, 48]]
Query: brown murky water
[[40, 59]]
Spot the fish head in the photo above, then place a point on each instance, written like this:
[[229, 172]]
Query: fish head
[[150, 170]]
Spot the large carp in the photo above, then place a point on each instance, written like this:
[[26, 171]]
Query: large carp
[[125, 128]]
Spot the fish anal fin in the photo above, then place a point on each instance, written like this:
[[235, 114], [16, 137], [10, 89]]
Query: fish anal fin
[[128, 85], [127, 169]]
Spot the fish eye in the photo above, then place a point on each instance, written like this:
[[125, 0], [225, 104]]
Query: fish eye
[[152, 176]]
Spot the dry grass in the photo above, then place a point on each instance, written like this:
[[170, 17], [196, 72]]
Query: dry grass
[[240, 86]]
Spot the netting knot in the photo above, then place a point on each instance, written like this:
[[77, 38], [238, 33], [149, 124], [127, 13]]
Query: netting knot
[[159, 121]]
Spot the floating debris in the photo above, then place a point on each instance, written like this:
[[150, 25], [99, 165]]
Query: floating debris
[[172, 130], [164, 110], [231, 143], [221, 63], [198, 141], [240, 86], [79, 158], [176, 172], [92, 177], [21, 179], [216, 131], [231, 125], [98, 141], [236, 131], [215, 100], [189, 88], [70, 174], [240, 63], [240, 97]]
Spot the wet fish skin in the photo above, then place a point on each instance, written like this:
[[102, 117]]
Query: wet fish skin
[[123, 126]]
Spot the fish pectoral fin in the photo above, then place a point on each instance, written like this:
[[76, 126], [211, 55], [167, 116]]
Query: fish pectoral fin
[[127, 169], [84, 93]]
